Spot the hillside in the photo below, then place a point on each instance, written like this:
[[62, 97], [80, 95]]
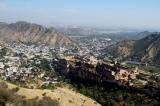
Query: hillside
[[32, 33], [146, 49], [64, 96], [119, 50]]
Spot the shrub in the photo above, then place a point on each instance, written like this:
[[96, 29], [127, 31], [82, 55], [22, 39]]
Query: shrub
[[3, 85], [8, 96], [15, 89]]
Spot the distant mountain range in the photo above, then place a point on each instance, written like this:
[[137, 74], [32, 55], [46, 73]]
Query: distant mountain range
[[114, 34], [32, 33], [146, 49]]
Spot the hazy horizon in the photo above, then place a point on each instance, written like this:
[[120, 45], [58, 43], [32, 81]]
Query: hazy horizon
[[142, 14]]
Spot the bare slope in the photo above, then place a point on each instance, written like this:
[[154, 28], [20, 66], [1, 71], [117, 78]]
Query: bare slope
[[65, 96], [32, 33], [146, 49]]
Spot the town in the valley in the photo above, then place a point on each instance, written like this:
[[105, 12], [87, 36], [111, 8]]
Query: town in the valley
[[37, 65]]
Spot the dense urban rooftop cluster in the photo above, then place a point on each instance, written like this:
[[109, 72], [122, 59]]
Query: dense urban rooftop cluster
[[23, 62], [17, 64]]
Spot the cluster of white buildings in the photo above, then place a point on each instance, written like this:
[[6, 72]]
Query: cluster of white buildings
[[18, 68], [12, 69]]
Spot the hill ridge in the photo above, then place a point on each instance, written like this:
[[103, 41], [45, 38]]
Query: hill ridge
[[146, 49], [33, 33]]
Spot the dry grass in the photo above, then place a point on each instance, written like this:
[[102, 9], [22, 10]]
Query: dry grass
[[63, 95]]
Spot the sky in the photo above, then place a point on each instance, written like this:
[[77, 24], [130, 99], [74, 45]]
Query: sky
[[95, 13]]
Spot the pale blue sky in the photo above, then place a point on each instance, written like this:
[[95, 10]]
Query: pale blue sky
[[96, 13]]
